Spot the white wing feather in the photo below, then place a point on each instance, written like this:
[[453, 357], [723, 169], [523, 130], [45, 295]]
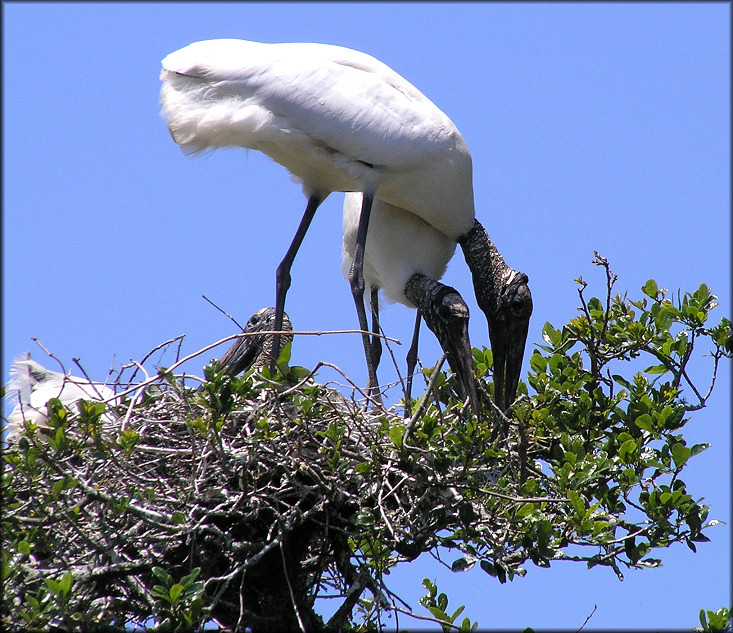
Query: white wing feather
[[337, 119]]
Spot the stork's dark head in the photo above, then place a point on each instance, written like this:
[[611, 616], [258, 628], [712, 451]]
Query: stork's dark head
[[254, 350], [446, 314], [503, 295]]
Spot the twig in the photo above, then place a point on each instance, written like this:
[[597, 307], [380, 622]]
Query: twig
[[427, 618], [178, 338], [226, 314], [290, 590], [426, 396], [86, 375], [595, 606], [312, 333], [38, 342]]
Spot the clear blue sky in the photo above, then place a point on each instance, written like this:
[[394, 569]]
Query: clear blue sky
[[592, 127]]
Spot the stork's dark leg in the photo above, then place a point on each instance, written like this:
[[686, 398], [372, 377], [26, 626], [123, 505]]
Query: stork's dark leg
[[411, 363], [282, 276], [376, 346], [356, 280]]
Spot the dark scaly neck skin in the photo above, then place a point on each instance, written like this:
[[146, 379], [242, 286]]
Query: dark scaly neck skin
[[487, 267], [267, 341]]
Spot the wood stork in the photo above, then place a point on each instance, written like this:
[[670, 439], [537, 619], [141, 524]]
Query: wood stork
[[255, 350], [338, 120], [31, 386]]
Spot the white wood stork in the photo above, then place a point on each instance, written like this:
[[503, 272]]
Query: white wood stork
[[338, 120], [31, 386]]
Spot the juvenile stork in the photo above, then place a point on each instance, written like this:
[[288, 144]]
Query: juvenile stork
[[31, 386], [256, 349]]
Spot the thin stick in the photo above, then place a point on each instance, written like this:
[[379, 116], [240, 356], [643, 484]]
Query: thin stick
[[226, 314], [595, 606], [423, 403], [290, 589], [38, 342]]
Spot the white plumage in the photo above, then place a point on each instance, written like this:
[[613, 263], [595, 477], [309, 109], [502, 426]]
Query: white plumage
[[398, 245], [31, 386], [337, 119]]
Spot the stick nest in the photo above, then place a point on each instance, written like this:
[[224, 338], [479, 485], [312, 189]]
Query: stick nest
[[279, 494]]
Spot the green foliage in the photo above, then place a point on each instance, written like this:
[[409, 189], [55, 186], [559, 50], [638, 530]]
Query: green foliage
[[613, 442], [716, 621], [591, 471], [437, 604], [49, 605], [178, 605]]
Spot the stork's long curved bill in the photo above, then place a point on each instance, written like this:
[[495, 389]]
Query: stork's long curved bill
[[508, 334], [508, 356], [241, 355], [454, 340]]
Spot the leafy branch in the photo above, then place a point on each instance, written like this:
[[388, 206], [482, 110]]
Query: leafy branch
[[245, 501]]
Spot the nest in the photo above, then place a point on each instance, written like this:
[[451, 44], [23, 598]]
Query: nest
[[278, 493]]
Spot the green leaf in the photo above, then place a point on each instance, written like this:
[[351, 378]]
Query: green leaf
[[462, 564], [550, 335], [66, 582], [622, 381], [538, 362], [186, 581], [703, 620], [699, 448], [456, 613], [656, 369], [627, 450], [396, 433], [525, 510], [650, 289], [680, 454], [285, 352], [162, 575], [52, 584], [644, 421], [438, 613], [577, 502], [175, 592]]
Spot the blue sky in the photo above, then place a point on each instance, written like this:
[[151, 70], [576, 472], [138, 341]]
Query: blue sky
[[592, 127]]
